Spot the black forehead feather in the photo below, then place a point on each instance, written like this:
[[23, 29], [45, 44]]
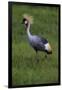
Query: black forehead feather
[[24, 19]]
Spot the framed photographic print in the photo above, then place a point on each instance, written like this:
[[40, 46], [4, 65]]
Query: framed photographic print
[[33, 44]]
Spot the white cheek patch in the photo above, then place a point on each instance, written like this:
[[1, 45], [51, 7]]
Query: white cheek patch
[[47, 47], [26, 22]]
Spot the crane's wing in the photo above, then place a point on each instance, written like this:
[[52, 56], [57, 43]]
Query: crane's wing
[[38, 43], [41, 39]]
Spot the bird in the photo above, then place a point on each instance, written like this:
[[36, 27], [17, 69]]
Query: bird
[[37, 43]]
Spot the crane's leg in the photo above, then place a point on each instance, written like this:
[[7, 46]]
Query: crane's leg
[[46, 56], [37, 57]]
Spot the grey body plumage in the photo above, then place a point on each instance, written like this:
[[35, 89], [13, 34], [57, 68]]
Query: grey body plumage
[[38, 43]]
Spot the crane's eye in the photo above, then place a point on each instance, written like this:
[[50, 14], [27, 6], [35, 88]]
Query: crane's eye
[[26, 22]]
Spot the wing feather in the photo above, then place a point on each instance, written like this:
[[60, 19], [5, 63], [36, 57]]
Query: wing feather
[[38, 43]]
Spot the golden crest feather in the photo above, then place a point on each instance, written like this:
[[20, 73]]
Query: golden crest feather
[[29, 18]]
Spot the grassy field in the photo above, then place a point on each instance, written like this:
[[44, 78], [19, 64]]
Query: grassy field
[[25, 69]]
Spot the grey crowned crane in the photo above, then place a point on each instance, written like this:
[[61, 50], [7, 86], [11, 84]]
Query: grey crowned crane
[[38, 43]]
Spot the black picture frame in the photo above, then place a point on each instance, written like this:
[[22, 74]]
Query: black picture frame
[[10, 44]]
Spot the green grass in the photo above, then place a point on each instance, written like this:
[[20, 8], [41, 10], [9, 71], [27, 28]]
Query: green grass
[[25, 69]]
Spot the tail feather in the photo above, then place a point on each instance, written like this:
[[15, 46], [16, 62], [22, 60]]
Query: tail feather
[[48, 48]]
